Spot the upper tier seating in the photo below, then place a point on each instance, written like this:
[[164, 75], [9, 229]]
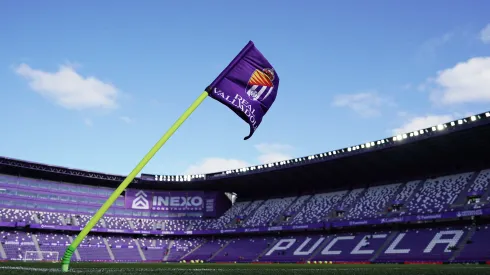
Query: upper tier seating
[[318, 207], [373, 202], [436, 195]]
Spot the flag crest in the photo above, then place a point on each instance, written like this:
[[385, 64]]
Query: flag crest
[[262, 78], [248, 86]]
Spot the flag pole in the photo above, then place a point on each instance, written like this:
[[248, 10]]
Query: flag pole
[[65, 262]]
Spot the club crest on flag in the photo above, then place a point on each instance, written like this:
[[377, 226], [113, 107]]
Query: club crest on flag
[[248, 86], [260, 85]]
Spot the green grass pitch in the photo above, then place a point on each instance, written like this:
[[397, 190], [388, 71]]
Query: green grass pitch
[[21, 268]]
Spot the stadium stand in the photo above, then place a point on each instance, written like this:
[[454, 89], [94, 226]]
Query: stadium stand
[[234, 251], [433, 196], [267, 211], [317, 207], [481, 182], [394, 215], [436, 195], [222, 222], [373, 202]]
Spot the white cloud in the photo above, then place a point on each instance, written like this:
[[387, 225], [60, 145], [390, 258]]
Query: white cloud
[[210, 165], [88, 122], [467, 82], [366, 104], [273, 152], [432, 44], [69, 89], [267, 153], [127, 119], [402, 113], [421, 122], [485, 34], [155, 102], [428, 50], [407, 86], [422, 87]]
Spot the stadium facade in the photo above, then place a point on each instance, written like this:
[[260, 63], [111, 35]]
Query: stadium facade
[[419, 197]]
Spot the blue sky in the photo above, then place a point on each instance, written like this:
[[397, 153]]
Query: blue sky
[[94, 84]]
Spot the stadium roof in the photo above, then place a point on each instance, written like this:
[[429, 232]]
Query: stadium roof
[[460, 145]]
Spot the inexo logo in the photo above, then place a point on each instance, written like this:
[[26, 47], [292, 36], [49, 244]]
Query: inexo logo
[[140, 201]]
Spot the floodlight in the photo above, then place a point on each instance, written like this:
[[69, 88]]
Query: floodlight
[[440, 127], [473, 118]]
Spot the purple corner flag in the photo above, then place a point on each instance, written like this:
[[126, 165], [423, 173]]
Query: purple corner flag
[[248, 86]]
